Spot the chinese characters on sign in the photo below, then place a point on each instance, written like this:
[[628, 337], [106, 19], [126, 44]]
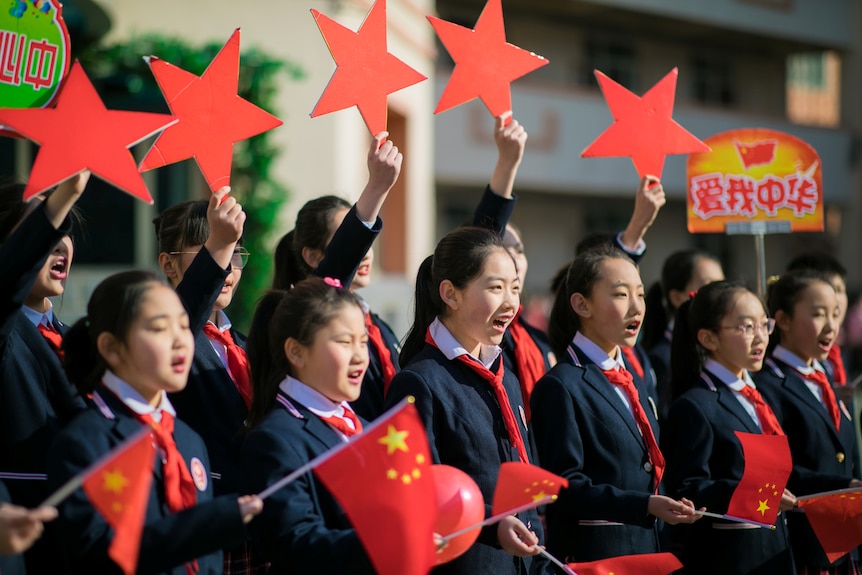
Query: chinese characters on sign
[[34, 53], [755, 175]]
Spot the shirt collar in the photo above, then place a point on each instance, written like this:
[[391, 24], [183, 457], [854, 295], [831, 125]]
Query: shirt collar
[[37, 317], [222, 322], [597, 355], [316, 402], [786, 356], [450, 347], [132, 399], [727, 377]]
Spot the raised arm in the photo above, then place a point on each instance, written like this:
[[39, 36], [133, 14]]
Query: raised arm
[[495, 207], [649, 199]]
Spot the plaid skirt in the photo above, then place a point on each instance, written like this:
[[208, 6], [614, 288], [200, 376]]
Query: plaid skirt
[[241, 561]]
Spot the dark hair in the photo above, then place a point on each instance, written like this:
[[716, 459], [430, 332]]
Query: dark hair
[[460, 258], [299, 314], [13, 208], [820, 262], [312, 230], [784, 293], [593, 241], [581, 276], [704, 311], [113, 307], [182, 225], [676, 273]]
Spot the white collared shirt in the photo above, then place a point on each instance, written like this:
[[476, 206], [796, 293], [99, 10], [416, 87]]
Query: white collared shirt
[[316, 402], [450, 347], [132, 399], [37, 317], [605, 362], [785, 355], [735, 385], [223, 324]]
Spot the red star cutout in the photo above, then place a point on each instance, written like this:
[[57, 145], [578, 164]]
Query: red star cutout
[[643, 128], [81, 134], [485, 64], [212, 118], [367, 73]]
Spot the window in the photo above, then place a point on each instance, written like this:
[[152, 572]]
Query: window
[[615, 58], [713, 81], [814, 89]]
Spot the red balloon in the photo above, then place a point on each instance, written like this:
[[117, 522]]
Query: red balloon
[[459, 505]]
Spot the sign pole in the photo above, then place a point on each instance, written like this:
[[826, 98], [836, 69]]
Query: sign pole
[[760, 251], [758, 229]]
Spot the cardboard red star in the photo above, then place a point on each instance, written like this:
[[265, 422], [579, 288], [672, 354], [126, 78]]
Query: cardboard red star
[[366, 72], [643, 128], [485, 64], [81, 134], [212, 118]]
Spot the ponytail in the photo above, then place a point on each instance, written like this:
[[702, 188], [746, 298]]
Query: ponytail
[[267, 367], [427, 306], [81, 360], [287, 270], [656, 317]]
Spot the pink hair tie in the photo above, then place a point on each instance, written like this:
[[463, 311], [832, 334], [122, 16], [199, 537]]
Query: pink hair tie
[[334, 282], [691, 294]]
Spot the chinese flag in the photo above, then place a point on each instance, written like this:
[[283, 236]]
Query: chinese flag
[[383, 481], [646, 564], [118, 487], [767, 468], [836, 520], [521, 483]]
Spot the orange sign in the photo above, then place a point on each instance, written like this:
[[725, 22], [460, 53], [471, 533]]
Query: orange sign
[[755, 175]]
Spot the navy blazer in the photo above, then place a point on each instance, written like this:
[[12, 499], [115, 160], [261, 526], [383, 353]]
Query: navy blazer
[[36, 399], [302, 528], [210, 403], [168, 540], [659, 356], [585, 433], [466, 430], [823, 459], [705, 463]]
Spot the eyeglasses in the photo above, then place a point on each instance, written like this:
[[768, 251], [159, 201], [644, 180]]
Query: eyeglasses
[[749, 328], [238, 260]]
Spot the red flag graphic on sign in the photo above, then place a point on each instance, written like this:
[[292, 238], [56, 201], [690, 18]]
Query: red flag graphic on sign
[[836, 520], [767, 468], [118, 487], [647, 564], [757, 154], [383, 481], [521, 483]]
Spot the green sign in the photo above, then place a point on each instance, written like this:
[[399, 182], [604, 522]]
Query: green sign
[[34, 52]]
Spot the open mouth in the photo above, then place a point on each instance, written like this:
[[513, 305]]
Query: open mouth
[[363, 270], [757, 354], [500, 324], [355, 376], [60, 269], [178, 364], [633, 327], [825, 344], [226, 288]]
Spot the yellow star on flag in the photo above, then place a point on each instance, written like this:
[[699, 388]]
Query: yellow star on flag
[[539, 496], [763, 507], [114, 481], [394, 440]]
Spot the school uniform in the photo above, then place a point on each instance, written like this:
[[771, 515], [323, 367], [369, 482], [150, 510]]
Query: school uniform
[[302, 529], [36, 399], [342, 258], [466, 429], [824, 459], [586, 431], [659, 356], [169, 540], [705, 463]]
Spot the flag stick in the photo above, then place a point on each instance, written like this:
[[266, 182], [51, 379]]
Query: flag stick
[[566, 569], [75, 482], [332, 452], [498, 517], [736, 519], [825, 493]]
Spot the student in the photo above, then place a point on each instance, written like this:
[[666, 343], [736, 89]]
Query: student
[[593, 423], [201, 254], [819, 428], [719, 337], [37, 400], [683, 272], [466, 296], [837, 276], [133, 347], [333, 239], [309, 352]]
